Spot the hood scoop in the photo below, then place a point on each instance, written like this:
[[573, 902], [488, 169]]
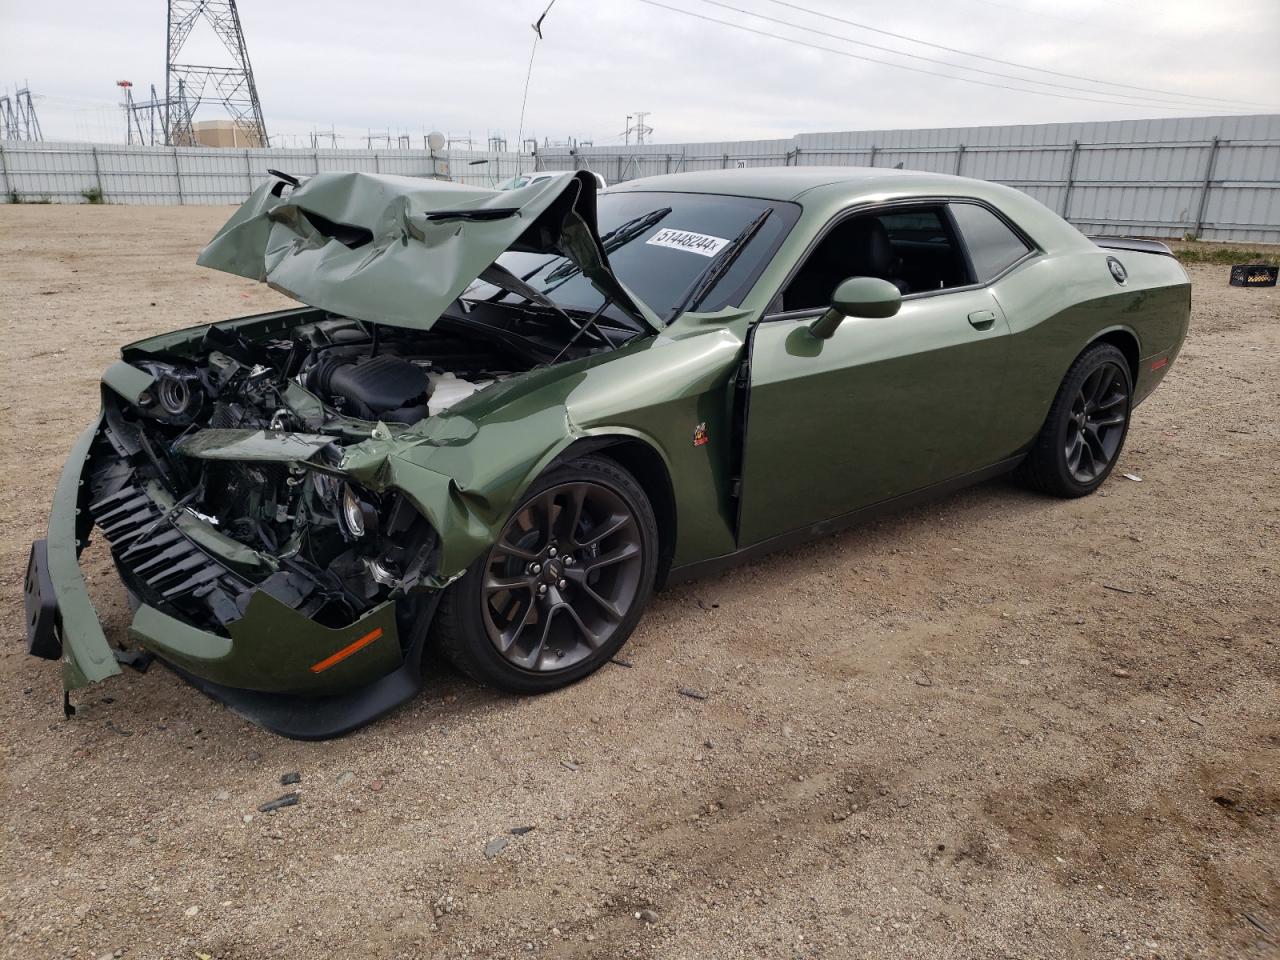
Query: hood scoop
[[400, 250]]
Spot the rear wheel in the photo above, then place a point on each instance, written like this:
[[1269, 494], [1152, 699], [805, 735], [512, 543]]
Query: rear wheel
[[1086, 427], [563, 587]]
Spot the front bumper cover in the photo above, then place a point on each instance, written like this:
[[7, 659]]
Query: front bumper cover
[[267, 667]]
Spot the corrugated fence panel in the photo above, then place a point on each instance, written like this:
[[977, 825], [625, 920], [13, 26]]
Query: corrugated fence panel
[[1218, 177]]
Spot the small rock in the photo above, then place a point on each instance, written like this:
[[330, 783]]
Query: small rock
[[288, 800], [191, 911], [495, 847], [647, 916], [903, 802], [1024, 662], [248, 818], [691, 693], [922, 680], [253, 755], [568, 765], [289, 779], [521, 831], [345, 777], [222, 795], [1198, 721], [1121, 673], [376, 785], [622, 662]]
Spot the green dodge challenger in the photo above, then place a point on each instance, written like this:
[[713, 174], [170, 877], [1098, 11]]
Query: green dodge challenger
[[500, 420]]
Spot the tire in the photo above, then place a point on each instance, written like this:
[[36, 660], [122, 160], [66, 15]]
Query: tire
[[1085, 431], [554, 599]]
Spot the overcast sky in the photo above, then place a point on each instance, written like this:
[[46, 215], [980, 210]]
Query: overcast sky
[[459, 65]]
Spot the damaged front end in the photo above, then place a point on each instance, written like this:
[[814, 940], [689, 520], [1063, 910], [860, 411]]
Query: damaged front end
[[256, 566], [239, 472], [204, 514]]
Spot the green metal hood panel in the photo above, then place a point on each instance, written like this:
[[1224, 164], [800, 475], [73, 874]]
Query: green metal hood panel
[[400, 250], [262, 445]]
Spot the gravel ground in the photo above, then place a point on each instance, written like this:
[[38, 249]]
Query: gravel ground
[[997, 726]]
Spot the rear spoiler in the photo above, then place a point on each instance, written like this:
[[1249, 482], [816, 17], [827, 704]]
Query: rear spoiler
[[1131, 243]]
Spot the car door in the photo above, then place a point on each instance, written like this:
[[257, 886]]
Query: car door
[[884, 407]]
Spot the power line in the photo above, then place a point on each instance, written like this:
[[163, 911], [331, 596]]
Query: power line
[[1141, 100], [886, 63], [1007, 63]]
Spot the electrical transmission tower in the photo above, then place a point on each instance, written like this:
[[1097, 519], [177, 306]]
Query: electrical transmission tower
[[18, 120], [188, 85], [640, 128]]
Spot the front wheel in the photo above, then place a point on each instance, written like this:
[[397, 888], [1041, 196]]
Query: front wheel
[[1082, 437], [564, 585]]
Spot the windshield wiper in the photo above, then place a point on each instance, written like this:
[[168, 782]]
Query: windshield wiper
[[706, 281], [619, 236]]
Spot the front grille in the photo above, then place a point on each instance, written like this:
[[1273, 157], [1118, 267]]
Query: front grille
[[160, 564]]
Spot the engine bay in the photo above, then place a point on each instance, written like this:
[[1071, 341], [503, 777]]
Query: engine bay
[[383, 374], [222, 478]]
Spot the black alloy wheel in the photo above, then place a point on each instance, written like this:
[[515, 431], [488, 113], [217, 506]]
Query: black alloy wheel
[[564, 585], [1085, 431], [1096, 427]]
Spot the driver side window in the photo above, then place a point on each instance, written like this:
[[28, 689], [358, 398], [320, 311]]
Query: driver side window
[[914, 248]]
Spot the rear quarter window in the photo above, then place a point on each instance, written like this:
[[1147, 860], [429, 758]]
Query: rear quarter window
[[992, 244]]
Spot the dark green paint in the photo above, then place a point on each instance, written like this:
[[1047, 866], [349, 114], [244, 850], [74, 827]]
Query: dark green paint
[[269, 447]]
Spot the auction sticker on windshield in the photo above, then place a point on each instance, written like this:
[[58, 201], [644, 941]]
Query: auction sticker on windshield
[[684, 240]]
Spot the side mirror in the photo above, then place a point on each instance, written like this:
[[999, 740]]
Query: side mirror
[[868, 297]]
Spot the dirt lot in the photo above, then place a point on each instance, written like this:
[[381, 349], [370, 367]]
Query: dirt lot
[[998, 726]]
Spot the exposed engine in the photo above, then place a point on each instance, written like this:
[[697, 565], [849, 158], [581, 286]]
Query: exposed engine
[[201, 510]]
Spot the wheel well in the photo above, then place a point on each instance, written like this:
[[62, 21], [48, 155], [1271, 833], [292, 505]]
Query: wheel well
[[643, 463], [1126, 343]]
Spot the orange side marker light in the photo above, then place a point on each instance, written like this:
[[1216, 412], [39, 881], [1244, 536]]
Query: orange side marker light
[[347, 651], [1158, 364]]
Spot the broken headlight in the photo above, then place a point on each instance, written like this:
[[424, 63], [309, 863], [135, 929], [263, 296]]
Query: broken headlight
[[177, 395], [357, 516]]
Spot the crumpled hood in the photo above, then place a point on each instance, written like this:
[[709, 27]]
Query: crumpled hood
[[400, 250]]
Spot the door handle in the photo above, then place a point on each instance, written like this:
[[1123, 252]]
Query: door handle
[[982, 319]]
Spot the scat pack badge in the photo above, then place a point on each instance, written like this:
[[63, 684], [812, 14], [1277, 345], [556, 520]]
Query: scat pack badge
[[700, 438]]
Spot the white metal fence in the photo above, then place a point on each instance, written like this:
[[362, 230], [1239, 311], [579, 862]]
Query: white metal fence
[[1217, 178], [71, 172]]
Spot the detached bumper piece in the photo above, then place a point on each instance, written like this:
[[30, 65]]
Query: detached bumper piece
[[327, 717]]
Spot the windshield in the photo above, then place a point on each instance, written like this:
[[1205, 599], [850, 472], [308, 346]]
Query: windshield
[[658, 244]]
